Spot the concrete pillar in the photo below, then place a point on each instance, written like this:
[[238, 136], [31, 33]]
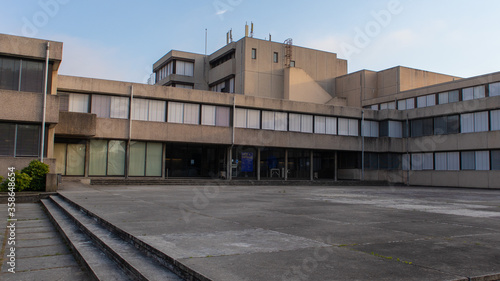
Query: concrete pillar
[[229, 173], [311, 165], [336, 166], [286, 165], [50, 141], [258, 163]]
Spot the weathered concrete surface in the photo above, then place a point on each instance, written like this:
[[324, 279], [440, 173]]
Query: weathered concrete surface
[[310, 233], [40, 252]]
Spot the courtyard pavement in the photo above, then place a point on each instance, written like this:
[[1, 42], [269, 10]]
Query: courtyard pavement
[[310, 232]]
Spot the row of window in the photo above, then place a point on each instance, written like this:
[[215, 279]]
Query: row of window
[[23, 75], [453, 124], [226, 86], [452, 161], [19, 140], [275, 57], [465, 94], [175, 67]]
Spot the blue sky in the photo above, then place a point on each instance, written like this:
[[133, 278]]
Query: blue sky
[[120, 40]]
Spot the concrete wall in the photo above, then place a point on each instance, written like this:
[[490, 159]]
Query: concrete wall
[[76, 124], [299, 86], [29, 47], [27, 107]]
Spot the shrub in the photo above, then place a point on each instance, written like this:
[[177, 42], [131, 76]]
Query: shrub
[[38, 172], [23, 182]]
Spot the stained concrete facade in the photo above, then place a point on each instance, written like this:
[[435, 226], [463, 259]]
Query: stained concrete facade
[[311, 121]]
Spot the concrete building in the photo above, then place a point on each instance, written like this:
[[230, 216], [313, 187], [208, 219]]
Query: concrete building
[[254, 109]]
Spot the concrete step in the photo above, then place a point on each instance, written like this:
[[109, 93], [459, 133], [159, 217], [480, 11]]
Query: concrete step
[[138, 259], [98, 265], [135, 264]]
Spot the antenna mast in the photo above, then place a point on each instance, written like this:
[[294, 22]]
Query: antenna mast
[[288, 51]]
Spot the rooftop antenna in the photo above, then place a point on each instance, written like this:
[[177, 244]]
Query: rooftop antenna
[[269, 37], [231, 35], [246, 29], [288, 51], [251, 30]]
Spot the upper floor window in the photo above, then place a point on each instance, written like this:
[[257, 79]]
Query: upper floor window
[[226, 86], [275, 57], [23, 75], [254, 53], [184, 68]]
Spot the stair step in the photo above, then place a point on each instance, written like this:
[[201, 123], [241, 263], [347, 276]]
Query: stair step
[[134, 262], [87, 253]]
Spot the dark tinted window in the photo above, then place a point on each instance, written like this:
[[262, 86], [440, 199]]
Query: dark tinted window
[[7, 137], [9, 74], [32, 76], [495, 160], [28, 140]]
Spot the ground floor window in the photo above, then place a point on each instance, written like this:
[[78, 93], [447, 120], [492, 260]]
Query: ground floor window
[[107, 158], [244, 162], [194, 160], [145, 159], [70, 158], [272, 163], [20, 140], [324, 165]]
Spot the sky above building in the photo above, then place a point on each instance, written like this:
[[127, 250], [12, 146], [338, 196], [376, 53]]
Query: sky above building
[[120, 40]]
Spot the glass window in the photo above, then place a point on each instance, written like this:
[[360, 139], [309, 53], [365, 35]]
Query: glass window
[[494, 89], [401, 104], [75, 163], [353, 127], [441, 159], [467, 94], [427, 161], [374, 107], [241, 118], [482, 160], [268, 120], [140, 109], [78, 103], [453, 159], [101, 106], [208, 115], [331, 125], [306, 123], [253, 119], [431, 100], [32, 76], [468, 160], [98, 157], [137, 163], [443, 98], [319, 124], [154, 158], [9, 74], [294, 122], [343, 126], [292, 63], [479, 92], [384, 128], [275, 57], [60, 155], [421, 102], [156, 111], [416, 162], [453, 96], [405, 162], [254, 53], [391, 105], [417, 128], [495, 160], [395, 129], [191, 113], [481, 121], [28, 140], [495, 120], [222, 116], [119, 107], [410, 103], [281, 121], [7, 139], [467, 123], [184, 68], [116, 158], [441, 125], [370, 128], [175, 112], [384, 106], [453, 124]]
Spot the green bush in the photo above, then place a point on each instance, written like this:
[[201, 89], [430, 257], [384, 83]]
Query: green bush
[[23, 182], [38, 172]]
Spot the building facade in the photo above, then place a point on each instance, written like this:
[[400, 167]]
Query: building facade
[[254, 109]]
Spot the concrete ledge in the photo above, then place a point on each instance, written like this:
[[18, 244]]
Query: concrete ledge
[[25, 197]]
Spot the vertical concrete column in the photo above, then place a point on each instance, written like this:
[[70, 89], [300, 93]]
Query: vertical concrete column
[[229, 174], [50, 141], [286, 164], [336, 166], [311, 165], [258, 163]]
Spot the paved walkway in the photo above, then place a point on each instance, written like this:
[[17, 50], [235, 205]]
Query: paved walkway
[[40, 252], [310, 233]]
